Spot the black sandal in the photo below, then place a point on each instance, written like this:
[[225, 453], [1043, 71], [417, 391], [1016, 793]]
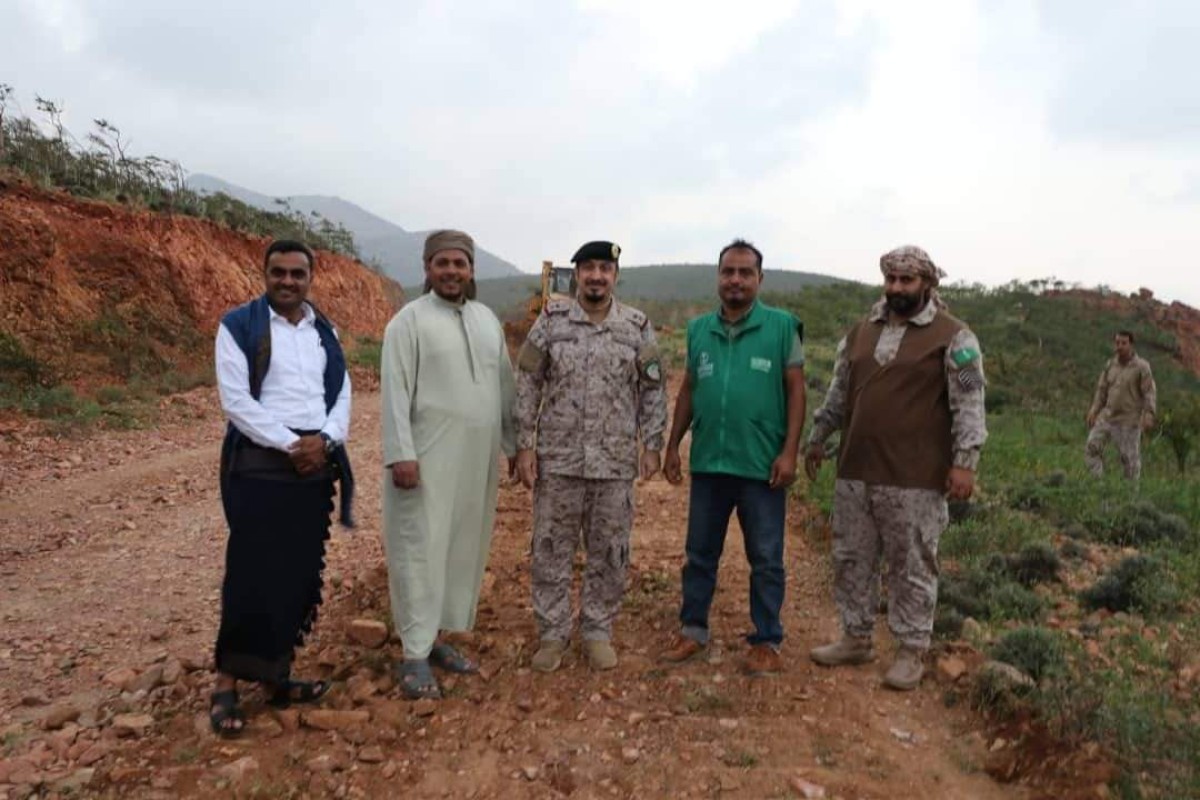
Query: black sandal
[[226, 718], [450, 659], [291, 691], [417, 681]]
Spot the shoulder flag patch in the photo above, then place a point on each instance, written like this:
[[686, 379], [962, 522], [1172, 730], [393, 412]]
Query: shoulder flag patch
[[964, 356]]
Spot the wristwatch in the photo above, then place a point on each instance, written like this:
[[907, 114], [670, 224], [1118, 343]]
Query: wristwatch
[[330, 444]]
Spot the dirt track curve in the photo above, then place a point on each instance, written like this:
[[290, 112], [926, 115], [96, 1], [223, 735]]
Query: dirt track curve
[[111, 551]]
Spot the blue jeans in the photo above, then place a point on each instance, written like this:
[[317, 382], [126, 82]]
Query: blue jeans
[[761, 511]]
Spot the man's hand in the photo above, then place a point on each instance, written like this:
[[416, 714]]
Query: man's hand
[[406, 474], [783, 471], [307, 454], [1147, 422], [960, 483], [672, 466], [1090, 419], [527, 467], [651, 462], [814, 456]]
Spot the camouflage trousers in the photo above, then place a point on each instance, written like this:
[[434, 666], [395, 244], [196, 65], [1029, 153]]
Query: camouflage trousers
[[1127, 438], [563, 508], [901, 526]]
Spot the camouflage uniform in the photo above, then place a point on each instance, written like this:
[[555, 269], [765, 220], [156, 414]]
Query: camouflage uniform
[[902, 524], [1126, 397], [585, 393]]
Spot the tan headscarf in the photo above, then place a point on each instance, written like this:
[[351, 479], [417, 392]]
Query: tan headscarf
[[912, 260], [448, 239], [437, 241]]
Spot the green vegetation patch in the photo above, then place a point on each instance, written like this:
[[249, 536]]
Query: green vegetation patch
[[1141, 583], [1038, 652]]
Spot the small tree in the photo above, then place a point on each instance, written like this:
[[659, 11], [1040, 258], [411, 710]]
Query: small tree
[[1181, 428]]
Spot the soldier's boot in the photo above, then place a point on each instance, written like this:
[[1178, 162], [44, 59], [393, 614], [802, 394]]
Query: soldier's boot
[[906, 670], [549, 656], [600, 654], [844, 652]]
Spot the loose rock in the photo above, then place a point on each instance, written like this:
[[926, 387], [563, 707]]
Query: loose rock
[[367, 632]]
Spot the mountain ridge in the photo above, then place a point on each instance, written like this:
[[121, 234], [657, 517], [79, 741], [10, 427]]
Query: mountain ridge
[[396, 250]]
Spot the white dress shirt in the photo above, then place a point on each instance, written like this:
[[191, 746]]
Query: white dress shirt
[[293, 390]]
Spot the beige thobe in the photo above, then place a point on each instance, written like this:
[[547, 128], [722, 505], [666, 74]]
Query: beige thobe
[[447, 386]]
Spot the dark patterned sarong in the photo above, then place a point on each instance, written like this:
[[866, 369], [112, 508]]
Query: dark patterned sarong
[[278, 526]]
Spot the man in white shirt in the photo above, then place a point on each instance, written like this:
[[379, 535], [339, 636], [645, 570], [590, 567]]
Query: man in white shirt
[[284, 388]]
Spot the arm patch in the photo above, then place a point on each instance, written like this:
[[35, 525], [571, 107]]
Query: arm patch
[[531, 358]]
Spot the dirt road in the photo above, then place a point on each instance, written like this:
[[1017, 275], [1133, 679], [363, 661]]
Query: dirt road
[[111, 553]]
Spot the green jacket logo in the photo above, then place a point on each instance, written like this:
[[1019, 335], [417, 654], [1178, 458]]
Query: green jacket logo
[[705, 368], [760, 364]]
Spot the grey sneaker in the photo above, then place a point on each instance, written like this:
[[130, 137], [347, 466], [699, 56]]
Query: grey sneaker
[[845, 651], [549, 656], [906, 670], [600, 653]]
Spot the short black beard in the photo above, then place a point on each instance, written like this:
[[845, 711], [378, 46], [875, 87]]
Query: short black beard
[[903, 304]]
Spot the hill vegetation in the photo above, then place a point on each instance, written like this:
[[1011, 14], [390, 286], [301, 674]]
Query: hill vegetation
[[101, 166], [662, 290]]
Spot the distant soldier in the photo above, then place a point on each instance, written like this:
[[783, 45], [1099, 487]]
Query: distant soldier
[[589, 386], [907, 394], [1125, 405]]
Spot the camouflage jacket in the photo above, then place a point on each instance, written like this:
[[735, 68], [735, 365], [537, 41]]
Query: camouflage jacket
[[587, 392], [964, 384], [1126, 394]]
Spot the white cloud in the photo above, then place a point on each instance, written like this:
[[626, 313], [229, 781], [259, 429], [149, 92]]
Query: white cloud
[[997, 135]]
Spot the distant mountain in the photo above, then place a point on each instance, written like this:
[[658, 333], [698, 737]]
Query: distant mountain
[[688, 283], [397, 250]]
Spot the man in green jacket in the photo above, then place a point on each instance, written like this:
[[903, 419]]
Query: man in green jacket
[[743, 399]]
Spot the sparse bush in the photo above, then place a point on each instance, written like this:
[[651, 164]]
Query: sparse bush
[[948, 623], [1038, 652], [17, 366], [1011, 600], [1036, 563], [987, 595], [1139, 583], [1141, 524]]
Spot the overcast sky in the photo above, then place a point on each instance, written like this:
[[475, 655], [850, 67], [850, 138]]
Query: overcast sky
[[1010, 139]]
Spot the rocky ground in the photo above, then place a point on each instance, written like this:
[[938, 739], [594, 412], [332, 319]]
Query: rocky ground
[[111, 551]]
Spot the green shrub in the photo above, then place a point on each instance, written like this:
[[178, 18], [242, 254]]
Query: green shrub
[[17, 366], [1138, 583], [1142, 523], [986, 595], [1034, 564], [1038, 652]]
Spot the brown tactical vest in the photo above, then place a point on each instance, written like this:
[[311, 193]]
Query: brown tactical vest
[[897, 426]]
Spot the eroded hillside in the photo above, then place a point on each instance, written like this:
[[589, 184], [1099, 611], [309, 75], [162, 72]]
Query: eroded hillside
[[92, 291]]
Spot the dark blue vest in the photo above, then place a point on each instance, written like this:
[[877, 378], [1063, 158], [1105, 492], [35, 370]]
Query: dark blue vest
[[250, 326]]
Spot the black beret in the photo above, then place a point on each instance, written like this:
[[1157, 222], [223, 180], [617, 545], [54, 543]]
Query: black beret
[[600, 251]]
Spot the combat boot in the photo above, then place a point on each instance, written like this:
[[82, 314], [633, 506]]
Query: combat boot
[[844, 652], [600, 653], [549, 656], [906, 670]]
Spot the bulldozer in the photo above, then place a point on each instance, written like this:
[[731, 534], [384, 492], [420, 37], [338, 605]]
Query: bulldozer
[[558, 283]]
